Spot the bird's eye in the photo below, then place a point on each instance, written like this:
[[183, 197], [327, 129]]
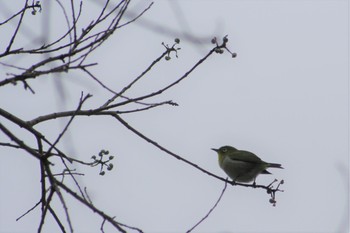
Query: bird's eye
[[224, 150]]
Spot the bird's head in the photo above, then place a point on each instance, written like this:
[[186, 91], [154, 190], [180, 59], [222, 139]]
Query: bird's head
[[224, 150]]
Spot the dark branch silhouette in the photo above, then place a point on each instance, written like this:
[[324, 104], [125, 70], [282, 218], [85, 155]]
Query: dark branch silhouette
[[67, 53]]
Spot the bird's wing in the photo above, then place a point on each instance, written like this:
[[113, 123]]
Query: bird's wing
[[245, 156]]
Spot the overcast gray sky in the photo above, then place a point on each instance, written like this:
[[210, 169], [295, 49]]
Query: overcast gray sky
[[285, 97]]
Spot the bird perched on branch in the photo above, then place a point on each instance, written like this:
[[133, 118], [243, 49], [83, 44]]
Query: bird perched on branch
[[242, 166]]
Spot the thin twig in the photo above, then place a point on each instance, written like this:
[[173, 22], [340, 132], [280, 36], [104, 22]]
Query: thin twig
[[135, 80], [211, 210], [90, 206], [57, 219], [17, 28], [28, 211], [137, 17], [81, 102], [46, 207]]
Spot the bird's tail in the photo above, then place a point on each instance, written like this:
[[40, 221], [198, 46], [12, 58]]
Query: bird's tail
[[276, 165]]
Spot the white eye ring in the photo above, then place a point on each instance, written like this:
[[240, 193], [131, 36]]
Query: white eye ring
[[224, 150]]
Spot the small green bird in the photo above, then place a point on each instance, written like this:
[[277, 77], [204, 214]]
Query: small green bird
[[242, 166]]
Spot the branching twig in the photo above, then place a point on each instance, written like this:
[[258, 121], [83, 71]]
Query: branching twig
[[69, 52], [90, 206], [82, 100]]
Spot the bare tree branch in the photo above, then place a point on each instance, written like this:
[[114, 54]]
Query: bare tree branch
[[68, 52]]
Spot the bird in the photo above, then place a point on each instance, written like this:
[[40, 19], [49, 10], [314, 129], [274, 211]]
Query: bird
[[242, 166]]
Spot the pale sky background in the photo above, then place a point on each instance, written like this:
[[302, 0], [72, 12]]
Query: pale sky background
[[285, 97]]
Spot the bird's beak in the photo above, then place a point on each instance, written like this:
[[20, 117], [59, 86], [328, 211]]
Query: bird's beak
[[216, 150]]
